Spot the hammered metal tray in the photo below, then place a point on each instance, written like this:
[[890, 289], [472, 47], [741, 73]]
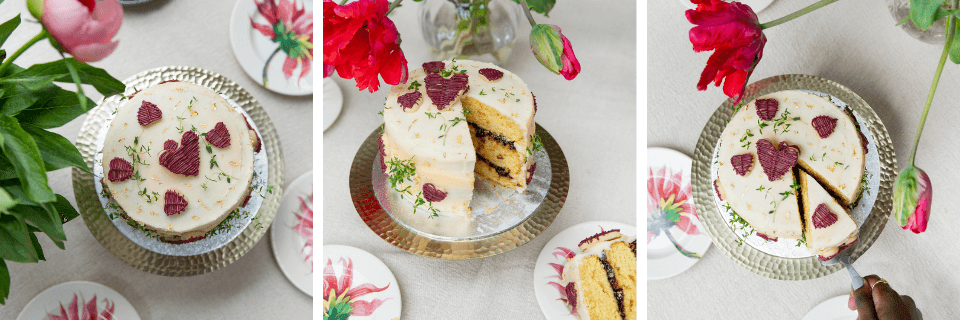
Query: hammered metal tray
[[103, 229], [480, 237], [746, 255]]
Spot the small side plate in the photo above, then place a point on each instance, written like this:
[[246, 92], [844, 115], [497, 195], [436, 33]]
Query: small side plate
[[380, 295], [260, 57], [833, 309], [50, 301], [291, 237]]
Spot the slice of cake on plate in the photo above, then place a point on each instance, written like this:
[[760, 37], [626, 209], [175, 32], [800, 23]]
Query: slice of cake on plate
[[604, 277], [454, 121], [828, 226]]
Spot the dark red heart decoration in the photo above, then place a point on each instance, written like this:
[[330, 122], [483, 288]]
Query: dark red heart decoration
[[184, 159], [534, 102], [256, 137], [839, 250], [168, 81], [408, 100], [433, 66], [823, 217], [742, 163], [765, 237], [383, 154], [824, 125], [219, 137], [491, 74], [432, 194], [169, 144], [716, 188], [863, 142], [442, 91], [533, 167], [120, 170], [784, 144], [767, 108], [148, 113], [776, 163], [173, 203]]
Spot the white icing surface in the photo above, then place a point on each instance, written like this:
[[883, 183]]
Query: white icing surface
[[210, 197], [443, 152], [838, 158], [825, 241]]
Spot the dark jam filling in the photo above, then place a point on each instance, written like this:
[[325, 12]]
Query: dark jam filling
[[481, 132], [617, 291], [503, 172]]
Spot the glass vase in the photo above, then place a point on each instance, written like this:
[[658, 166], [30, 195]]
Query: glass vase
[[935, 34], [482, 30]]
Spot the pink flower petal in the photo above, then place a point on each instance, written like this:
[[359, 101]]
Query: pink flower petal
[[108, 312], [90, 309], [288, 65], [365, 289], [363, 308], [564, 252], [86, 35], [264, 29], [73, 309], [557, 267]]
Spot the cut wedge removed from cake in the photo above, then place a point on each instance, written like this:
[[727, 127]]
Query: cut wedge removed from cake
[[451, 122], [828, 227], [604, 277]]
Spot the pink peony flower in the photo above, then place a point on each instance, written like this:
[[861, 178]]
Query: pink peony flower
[[733, 32], [84, 29]]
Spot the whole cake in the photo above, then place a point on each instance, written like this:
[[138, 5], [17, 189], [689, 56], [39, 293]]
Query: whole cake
[[604, 277], [178, 159], [774, 141], [451, 122]]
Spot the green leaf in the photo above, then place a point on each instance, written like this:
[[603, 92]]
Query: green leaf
[[16, 191], [36, 245], [7, 28], [65, 210], [15, 238], [28, 82], [22, 151], [45, 218], [76, 80], [57, 152], [58, 107], [541, 6], [6, 201], [924, 12], [955, 46], [4, 277], [98, 78]]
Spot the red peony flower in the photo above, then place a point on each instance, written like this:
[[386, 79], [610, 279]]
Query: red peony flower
[[360, 42], [733, 32]]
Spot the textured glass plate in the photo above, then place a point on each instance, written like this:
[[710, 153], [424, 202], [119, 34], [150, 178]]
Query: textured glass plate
[[512, 220], [137, 256], [773, 266]]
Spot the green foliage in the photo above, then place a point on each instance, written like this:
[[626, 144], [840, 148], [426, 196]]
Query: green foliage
[[540, 6], [7, 28], [924, 13]]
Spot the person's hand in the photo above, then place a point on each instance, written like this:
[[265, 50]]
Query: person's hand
[[876, 300]]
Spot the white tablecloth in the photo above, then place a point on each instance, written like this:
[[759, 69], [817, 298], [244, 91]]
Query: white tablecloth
[[188, 33], [857, 44], [593, 118]]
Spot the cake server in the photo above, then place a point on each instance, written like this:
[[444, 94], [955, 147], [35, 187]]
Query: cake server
[[844, 257]]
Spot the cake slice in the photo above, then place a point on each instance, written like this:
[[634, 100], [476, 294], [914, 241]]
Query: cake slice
[[828, 226], [604, 277]]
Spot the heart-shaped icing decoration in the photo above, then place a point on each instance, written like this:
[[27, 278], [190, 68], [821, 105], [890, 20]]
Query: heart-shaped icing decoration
[[184, 159], [433, 66], [839, 250], [776, 163], [148, 113], [173, 202], [533, 167], [410, 101], [767, 108], [863, 142], [491, 74], [534, 102], [254, 137], [823, 217], [383, 154], [824, 125], [742, 163], [716, 188], [432, 194], [120, 170], [168, 81], [219, 137], [765, 237], [442, 91]]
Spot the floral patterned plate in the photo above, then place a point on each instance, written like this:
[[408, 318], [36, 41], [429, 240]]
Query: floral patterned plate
[[273, 41], [675, 240], [357, 285], [833, 309], [291, 235], [546, 273], [79, 300]]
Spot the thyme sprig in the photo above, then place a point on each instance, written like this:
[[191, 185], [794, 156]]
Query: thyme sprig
[[403, 171]]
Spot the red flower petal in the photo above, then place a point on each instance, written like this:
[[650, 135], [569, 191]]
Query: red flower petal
[[363, 308], [365, 289]]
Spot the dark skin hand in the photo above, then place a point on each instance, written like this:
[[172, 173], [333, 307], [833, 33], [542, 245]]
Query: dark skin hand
[[876, 300]]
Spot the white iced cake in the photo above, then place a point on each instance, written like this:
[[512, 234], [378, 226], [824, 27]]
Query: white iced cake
[[769, 141], [452, 122], [178, 159], [829, 226]]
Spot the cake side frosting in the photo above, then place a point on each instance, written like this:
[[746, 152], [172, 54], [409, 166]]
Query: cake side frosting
[[190, 156]]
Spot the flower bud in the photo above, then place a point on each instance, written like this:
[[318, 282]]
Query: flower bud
[[554, 50], [36, 8], [912, 198]]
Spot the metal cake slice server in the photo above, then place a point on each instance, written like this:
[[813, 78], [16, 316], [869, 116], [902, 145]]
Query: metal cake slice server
[[844, 257]]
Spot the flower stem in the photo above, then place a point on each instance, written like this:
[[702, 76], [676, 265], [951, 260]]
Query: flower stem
[[797, 14], [267, 64], [526, 10], [395, 4], [43, 34], [951, 32]]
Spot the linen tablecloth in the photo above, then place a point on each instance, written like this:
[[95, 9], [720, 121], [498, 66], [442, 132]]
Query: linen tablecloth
[[592, 118], [187, 33], [856, 44]]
